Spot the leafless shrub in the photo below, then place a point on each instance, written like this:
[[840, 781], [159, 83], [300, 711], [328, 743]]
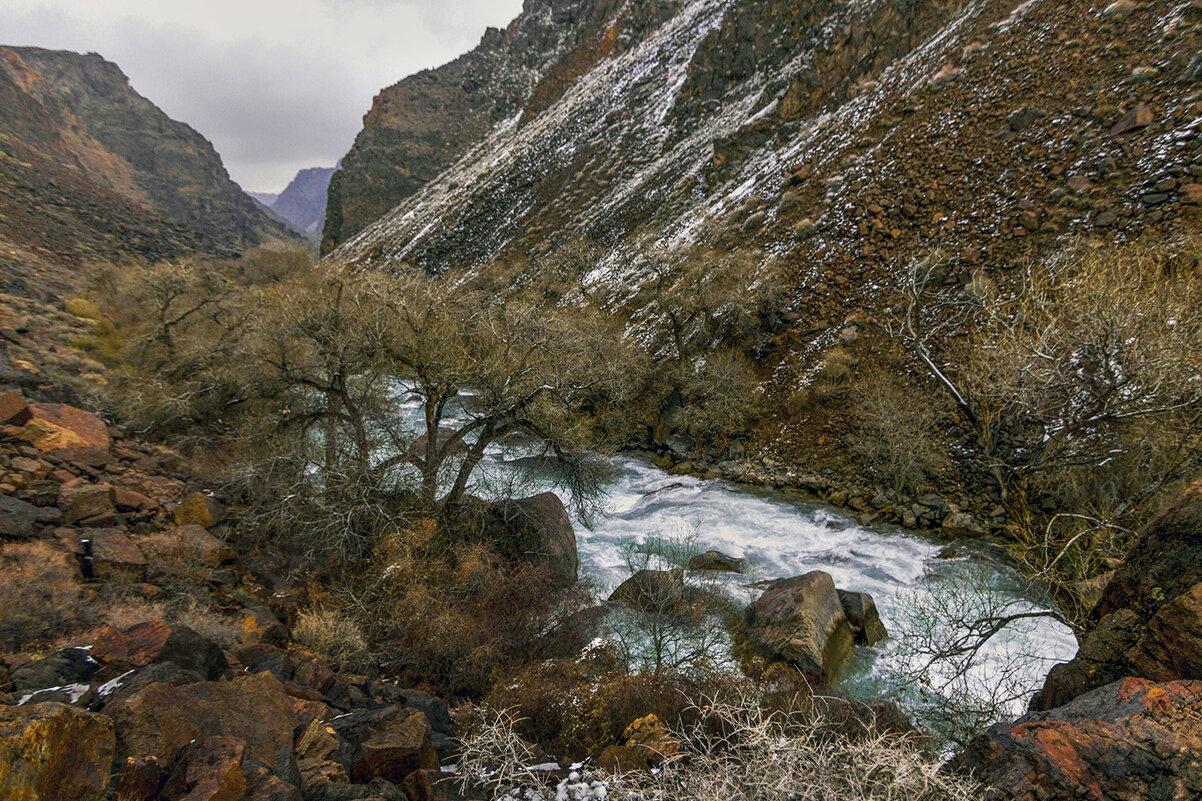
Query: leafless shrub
[[900, 443], [963, 656], [737, 751], [41, 595]]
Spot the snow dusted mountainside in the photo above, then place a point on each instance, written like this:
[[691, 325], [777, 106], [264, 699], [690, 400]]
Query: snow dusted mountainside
[[837, 141], [888, 126]]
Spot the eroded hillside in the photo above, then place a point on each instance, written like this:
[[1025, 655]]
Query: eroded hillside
[[93, 171]]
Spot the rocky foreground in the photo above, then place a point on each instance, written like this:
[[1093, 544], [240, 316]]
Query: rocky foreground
[[156, 710]]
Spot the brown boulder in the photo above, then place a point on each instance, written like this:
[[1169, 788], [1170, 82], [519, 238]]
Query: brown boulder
[[127, 500], [80, 500], [199, 509], [68, 433], [716, 560], [1132, 739], [396, 749], [866, 625], [651, 590], [1134, 120], [160, 719], [111, 547], [54, 752], [14, 409], [209, 769], [537, 530], [800, 620], [192, 543], [138, 645]]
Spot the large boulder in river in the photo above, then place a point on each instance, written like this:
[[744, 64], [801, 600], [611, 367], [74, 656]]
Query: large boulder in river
[[1133, 739], [801, 621], [537, 530], [718, 561], [1148, 622], [651, 590], [53, 752]]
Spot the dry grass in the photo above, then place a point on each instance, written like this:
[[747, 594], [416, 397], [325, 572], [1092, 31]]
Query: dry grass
[[739, 752], [41, 596], [333, 635]]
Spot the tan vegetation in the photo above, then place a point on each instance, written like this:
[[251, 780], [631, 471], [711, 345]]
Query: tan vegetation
[[333, 635], [737, 750]]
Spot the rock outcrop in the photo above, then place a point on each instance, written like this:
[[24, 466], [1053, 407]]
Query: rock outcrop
[[422, 125], [1132, 739], [1148, 622]]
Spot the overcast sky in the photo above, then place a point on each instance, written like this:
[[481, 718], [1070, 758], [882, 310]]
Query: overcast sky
[[276, 85]]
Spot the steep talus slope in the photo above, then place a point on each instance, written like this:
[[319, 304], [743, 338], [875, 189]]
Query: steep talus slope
[[843, 139], [93, 170], [419, 127], [303, 201]]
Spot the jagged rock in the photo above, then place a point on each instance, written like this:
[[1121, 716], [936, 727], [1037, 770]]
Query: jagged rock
[[1132, 739], [68, 667], [199, 509], [111, 548], [80, 500], [716, 560], [1171, 645], [537, 530], [263, 785], [160, 719], [376, 790], [860, 609], [189, 543], [137, 645], [257, 624], [53, 752], [388, 743], [396, 749], [800, 620], [138, 779], [153, 641], [67, 433], [318, 741], [1135, 119], [18, 520], [962, 524], [14, 409], [209, 769]]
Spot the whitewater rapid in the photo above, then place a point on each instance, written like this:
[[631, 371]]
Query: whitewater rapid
[[782, 536]]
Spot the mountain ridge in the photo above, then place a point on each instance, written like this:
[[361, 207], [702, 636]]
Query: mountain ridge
[[78, 140]]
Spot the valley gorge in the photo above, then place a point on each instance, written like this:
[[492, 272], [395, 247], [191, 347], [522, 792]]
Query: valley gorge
[[824, 374]]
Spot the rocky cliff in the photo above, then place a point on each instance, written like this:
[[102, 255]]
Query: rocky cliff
[[91, 169], [419, 127], [840, 141]]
